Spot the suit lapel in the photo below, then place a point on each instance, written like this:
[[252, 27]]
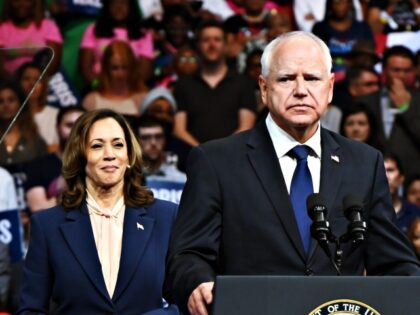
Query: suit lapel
[[137, 231], [77, 231], [331, 174], [266, 165]]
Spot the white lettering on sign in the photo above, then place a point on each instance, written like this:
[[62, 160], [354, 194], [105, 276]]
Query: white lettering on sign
[[5, 236]]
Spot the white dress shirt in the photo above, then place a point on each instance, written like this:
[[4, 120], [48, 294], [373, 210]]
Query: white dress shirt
[[283, 143]]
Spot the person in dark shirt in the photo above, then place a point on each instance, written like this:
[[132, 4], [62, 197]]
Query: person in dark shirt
[[214, 102]]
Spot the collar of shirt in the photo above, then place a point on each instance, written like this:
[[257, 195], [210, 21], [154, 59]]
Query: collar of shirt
[[283, 142]]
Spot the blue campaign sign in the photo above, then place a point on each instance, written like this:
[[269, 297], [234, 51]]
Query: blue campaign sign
[[166, 190], [85, 6], [11, 233], [61, 92]]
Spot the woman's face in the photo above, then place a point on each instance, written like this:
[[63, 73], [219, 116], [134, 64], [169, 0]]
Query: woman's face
[[28, 80], [416, 239], [22, 9], [119, 9], [106, 155], [9, 104], [413, 193], [357, 127], [118, 69], [341, 8]]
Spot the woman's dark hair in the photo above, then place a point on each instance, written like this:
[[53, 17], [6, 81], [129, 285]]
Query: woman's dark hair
[[37, 16], [357, 108], [74, 162], [25, 120], [409, 181], [105, 24], [33, 65], [328, 10]]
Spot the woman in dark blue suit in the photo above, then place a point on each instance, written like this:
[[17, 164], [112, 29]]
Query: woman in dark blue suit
[[103, 250]]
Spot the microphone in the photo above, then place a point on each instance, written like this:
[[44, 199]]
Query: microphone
[[317, 211], [353, 210]]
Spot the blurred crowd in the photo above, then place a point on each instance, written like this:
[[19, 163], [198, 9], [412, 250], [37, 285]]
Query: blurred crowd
[[184, 72]]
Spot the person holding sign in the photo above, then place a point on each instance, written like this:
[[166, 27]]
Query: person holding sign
[[103, 249]]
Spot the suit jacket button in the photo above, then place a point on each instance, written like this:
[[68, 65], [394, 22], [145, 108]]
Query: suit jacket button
[[308, 272]]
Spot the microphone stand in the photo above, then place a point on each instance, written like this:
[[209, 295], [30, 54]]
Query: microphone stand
[[29, 94]]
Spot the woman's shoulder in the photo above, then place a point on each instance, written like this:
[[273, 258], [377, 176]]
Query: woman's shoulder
[[50, 215], [162, 208]]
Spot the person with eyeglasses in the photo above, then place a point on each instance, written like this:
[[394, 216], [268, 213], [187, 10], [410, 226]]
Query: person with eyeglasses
[[160, 167]]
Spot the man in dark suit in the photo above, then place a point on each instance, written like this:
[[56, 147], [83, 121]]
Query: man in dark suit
[[396, 108], [236, 215]]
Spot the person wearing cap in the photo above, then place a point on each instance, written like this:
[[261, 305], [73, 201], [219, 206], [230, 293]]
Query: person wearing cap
[[161, 104]]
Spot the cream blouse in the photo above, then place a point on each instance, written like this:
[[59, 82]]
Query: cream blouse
[[107, 226]]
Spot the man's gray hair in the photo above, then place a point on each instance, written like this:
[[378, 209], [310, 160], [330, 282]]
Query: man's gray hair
[[269, 49]]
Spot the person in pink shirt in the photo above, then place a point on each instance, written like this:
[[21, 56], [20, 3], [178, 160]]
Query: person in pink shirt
[[119, 20], [24, 31]]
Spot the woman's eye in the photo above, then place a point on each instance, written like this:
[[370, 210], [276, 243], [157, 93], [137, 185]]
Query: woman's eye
[[96, 146], [119, 145]]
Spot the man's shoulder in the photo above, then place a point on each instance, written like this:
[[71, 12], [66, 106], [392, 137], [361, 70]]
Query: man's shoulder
[[347, 145]]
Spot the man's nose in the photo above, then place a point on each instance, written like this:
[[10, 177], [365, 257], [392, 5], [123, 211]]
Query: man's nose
[[300, 87]]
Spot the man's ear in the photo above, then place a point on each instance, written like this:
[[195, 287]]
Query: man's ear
[[331, 88], [262, 82]]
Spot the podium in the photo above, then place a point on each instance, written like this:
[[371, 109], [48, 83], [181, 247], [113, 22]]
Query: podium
[[316, 295]]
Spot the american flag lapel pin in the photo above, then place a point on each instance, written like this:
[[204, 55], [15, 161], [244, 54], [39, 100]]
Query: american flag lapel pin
[[335, 158]]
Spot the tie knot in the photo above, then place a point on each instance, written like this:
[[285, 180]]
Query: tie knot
[[300, 152]]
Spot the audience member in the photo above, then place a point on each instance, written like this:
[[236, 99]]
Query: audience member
[[214, 102], [406, 211], [253, 71], [23, 142], [412, 189], [45, 116], [118, 20], [160, 104], [176, 34], [362, 54], [340, 30], [396, 108], [385, 16], [45, 183], [184, 62], [413, 234], [25, 30], [359, 81], [120, 87], [308, 12], [277, 24], [246, 28], [109, 231], [159, 165], [358, 124]]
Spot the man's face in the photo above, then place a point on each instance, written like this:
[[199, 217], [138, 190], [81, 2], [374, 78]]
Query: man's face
[[400, 68], [152, 141], [393, 175], [367, 83], [299, 86], [211, 44]]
